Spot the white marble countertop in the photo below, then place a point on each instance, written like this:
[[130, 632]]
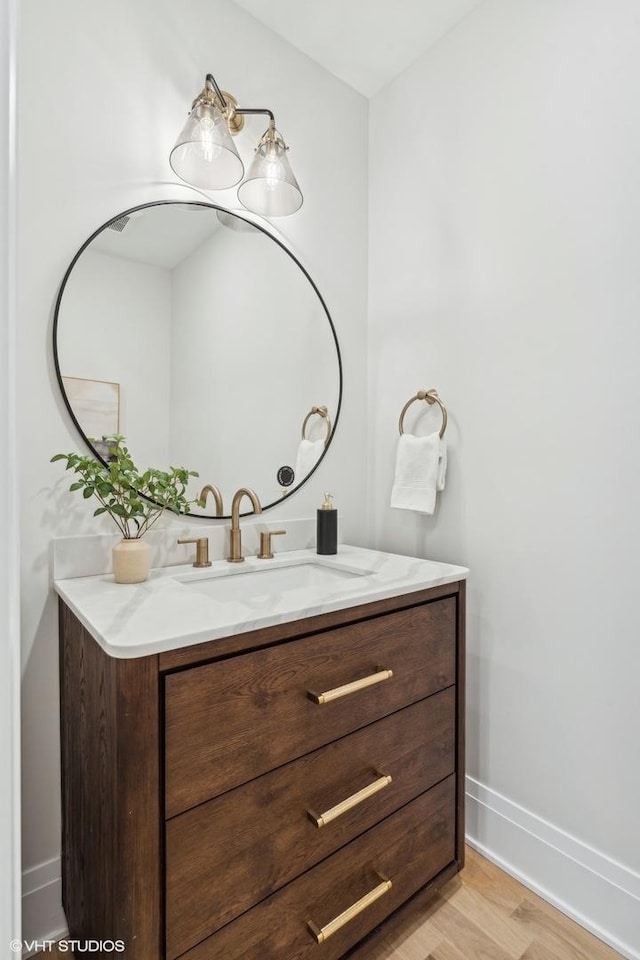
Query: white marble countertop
[[173, 608]]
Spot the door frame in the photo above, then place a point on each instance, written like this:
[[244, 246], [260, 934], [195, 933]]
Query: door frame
[[10, 867]]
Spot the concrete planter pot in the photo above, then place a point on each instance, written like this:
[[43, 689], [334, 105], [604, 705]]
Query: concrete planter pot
[[131, 561]]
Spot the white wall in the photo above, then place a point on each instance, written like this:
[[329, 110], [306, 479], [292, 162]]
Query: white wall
[[9, 600], [504, 216], [105, 88], [252, 351]]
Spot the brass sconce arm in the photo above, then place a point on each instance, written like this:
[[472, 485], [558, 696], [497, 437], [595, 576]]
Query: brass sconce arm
[[211, 80], [248, 111]]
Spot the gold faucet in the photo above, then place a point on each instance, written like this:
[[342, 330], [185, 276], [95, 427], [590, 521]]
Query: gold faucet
[[210, 488], [202, 551], [235, 555]]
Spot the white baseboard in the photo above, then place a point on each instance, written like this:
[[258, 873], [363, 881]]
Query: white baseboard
[[601, 894], [42, 914]]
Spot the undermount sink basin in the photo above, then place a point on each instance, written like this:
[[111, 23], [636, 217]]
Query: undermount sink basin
[[249, 583]]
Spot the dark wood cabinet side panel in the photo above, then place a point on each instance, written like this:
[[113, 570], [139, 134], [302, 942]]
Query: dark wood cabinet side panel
[[88, 826], [295, 629], [461, 662], [111, 846]]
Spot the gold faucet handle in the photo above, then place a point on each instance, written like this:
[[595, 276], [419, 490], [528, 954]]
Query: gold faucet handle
[[202, 551], [265, 543]]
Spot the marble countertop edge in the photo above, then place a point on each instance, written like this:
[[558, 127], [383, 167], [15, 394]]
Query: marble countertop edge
[[163, 613]]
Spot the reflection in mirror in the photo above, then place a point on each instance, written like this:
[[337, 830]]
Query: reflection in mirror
[[199, 337]]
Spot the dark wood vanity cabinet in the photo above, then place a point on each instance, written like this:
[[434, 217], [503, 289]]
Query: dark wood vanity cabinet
[[270, 796]]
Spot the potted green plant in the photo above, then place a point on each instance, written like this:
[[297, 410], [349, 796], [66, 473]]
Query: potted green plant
[[133, 499]]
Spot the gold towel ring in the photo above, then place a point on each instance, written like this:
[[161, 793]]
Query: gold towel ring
[[321, 412], [431, 396]]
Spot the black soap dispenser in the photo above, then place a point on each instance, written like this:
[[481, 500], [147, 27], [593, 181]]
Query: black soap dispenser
[[327, 527]]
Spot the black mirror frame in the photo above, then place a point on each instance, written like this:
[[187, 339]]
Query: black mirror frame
[[213, 206]]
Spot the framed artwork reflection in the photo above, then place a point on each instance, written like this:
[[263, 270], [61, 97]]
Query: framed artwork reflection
[[95, 404]]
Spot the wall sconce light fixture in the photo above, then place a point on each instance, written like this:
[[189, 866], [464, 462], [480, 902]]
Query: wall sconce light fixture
[[205, 155]]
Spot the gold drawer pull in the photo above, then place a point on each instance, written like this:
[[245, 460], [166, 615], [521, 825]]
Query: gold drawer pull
[[348, 688], [322, 934], [322, 819]]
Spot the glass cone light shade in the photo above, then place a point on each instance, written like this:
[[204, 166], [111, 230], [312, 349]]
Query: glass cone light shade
[[270, 187], [205, 154]]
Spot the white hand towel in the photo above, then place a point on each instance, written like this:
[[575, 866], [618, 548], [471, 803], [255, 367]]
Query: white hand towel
[[442, 466], [309, 452], [420, 472]]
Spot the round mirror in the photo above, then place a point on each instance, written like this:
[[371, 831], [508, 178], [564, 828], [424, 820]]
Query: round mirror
[[199, 337]]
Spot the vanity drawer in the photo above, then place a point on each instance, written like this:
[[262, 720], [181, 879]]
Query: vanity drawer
[[254, 839], [409, 848], [229, 721]]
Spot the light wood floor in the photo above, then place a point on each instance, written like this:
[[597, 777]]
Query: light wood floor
[[484, 914]]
